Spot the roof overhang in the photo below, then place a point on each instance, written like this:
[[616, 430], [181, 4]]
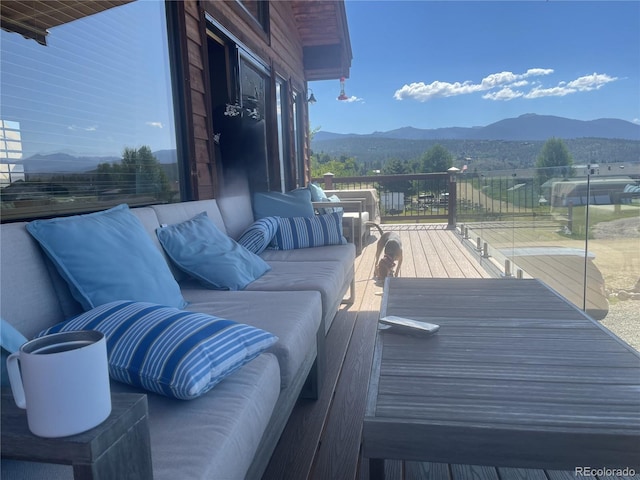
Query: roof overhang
[[324, 34], [33, 18]]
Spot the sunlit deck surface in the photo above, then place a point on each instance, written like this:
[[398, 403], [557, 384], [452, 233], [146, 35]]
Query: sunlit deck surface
[[323, 438]]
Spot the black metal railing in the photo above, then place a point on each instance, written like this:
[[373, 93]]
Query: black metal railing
[[420, 197]]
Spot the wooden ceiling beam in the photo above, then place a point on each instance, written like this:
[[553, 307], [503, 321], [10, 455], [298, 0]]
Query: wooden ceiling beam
[[323, 31], [33, 18]]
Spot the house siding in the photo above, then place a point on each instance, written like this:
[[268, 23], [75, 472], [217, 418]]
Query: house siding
[[281, 49], [198, 117]]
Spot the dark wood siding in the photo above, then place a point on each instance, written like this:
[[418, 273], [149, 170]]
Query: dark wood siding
[[280, 48], [198, 118]]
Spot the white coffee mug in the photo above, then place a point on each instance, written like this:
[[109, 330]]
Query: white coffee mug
[[62, 382]]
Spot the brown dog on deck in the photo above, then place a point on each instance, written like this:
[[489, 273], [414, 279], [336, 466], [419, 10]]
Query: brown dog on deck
[[391, 245]]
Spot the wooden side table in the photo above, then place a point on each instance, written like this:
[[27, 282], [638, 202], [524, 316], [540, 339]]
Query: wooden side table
[[117, 448]]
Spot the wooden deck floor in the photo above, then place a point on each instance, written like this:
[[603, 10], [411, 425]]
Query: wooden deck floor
[[322, 439]]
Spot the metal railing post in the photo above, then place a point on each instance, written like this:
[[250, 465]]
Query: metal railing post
[[453, 197]]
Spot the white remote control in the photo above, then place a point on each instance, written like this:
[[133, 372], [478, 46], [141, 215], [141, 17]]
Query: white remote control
[[408, 325]]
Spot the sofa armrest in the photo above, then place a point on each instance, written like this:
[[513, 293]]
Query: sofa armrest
[[350, 205], [370, 196]]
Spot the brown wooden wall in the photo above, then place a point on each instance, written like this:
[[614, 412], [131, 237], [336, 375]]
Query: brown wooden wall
[[280, 48]]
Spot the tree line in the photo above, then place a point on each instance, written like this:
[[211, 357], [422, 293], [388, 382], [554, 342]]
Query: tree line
[[553, 160]]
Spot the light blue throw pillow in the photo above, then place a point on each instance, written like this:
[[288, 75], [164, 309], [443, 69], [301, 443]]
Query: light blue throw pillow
[[107, 256], [199, 248], [168, 351], [317, 193], [306, 232], [258, 236], [334, 199], [10, 342], [296, 203]]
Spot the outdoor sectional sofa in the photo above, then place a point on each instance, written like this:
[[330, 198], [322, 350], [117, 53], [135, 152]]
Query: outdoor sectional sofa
[[231, 431]]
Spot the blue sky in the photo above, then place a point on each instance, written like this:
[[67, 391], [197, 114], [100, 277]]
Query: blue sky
[[442, 64], [100, 84]]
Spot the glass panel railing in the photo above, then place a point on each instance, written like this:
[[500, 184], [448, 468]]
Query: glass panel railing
[[576, 229]]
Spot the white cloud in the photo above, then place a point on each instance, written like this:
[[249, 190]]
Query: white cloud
[[497, 79], [536, 72], [559, 91], [501, 86], [353, 99], [505, 94], [422, 92], [155, 124], [75, 128], [636, 120], [581, 84], [591, 82]]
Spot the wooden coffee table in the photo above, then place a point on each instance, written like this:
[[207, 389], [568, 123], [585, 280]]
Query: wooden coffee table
[[516, 377]]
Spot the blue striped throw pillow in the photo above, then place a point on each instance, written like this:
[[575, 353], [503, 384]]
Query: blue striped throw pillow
[[305, 232], [258, 236], [169, 351]]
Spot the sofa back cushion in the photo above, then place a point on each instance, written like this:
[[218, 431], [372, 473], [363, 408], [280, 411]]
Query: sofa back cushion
[[149, 221], [296, 203], [174, 213], [107, 256], [235, 205], [28, 297]]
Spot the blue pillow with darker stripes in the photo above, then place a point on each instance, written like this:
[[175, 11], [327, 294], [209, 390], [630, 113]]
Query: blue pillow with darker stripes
[[169, 351], [258, 236], [306, 232]]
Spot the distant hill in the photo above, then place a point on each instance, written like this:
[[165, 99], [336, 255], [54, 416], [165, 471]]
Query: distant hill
[[62, 163], [528, 127], [69, 163], [509, 143]]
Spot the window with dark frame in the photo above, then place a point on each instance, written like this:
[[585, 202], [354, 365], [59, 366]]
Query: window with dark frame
[[258, 9], [240, 86], [298, 138], [87, 115], [282, 111]]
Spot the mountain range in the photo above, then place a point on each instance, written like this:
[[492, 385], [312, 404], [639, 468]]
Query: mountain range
[[509, 143], [527, 127], [66, 162]]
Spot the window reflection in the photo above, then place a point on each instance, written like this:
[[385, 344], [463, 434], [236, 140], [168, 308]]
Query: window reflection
[[87, 119]]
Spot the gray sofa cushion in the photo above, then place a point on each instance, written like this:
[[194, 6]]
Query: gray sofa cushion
[[214, 436], [217, 434], [326, 277], [345, 254], [294, 317]]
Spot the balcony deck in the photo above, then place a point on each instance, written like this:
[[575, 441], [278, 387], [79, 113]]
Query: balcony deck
[[322, 439]]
